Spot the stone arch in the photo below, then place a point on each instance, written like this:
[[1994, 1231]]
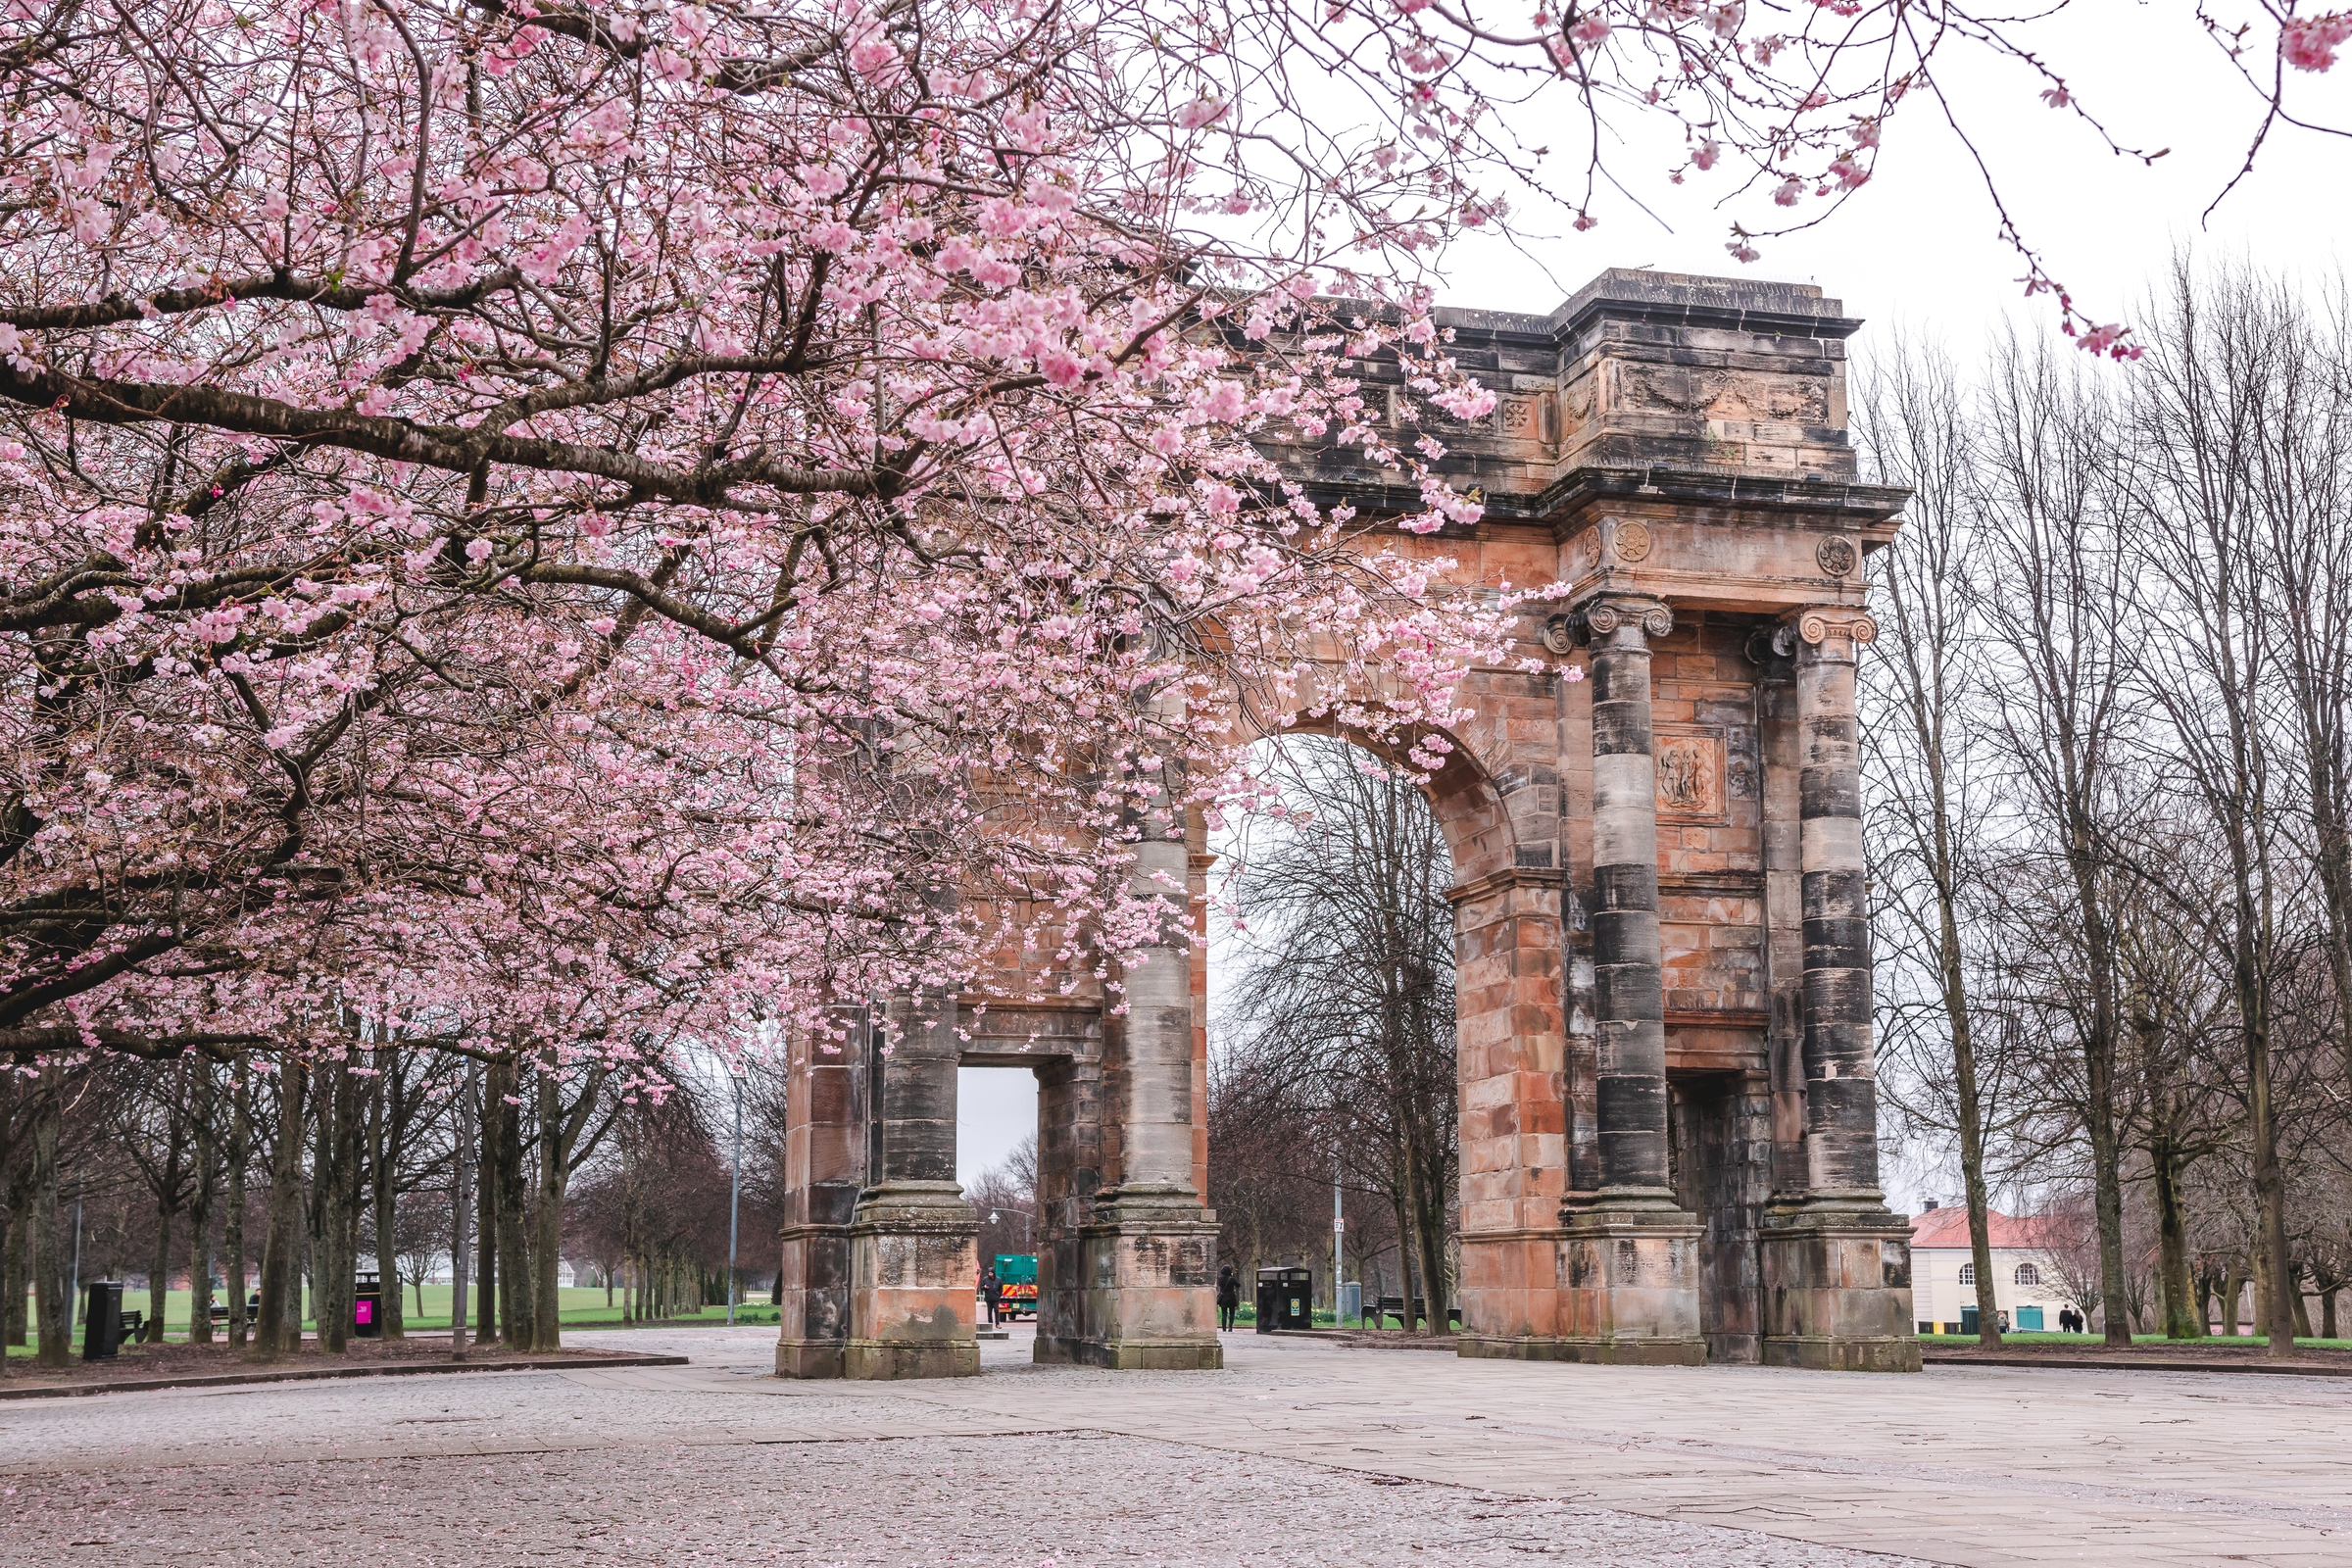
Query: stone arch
[[1667, 1062], [1498, 804]]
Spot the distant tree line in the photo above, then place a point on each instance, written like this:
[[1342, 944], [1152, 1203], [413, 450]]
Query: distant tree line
[[240, 1176]]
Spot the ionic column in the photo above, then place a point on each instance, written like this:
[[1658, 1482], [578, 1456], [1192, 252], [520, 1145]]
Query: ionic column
[[1149, 1257], [1629, 997], [1628, 1271], [1836, 1265], [1841, 1109]]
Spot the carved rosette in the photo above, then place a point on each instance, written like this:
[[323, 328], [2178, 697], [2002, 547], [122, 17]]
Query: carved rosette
[[1838, 554], [1632, 542], [1820, 625]]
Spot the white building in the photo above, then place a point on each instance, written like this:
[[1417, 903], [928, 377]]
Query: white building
[[1944, 1274]]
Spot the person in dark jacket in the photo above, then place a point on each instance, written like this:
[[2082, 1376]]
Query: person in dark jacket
[[993, 1289], [1229, 1295]]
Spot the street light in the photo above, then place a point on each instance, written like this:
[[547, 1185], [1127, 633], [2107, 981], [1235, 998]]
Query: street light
[[734, 1197]]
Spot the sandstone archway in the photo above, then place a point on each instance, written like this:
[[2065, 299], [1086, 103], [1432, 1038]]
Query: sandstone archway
[[1668, 1092]]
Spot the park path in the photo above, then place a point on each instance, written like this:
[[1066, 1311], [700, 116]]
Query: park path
[[1974, 1466]]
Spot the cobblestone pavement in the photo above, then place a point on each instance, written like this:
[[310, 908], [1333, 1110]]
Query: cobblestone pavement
[[1300, 1453]]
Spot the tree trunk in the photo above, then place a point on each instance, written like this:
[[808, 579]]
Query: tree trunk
[[1429, 1231], [2181, 1321], [329, 1266], [2262, 1288], [166, 1210], [2302, 1312], [2327, 1313], [49, 1247], [232, 1219], [2233, 1286], [205, 1111], [383, 1186], [282, 1230], [513, 1254], [20, 1268], [547, 1248], [460, 1216], [486, 1183], [1404, 1239]]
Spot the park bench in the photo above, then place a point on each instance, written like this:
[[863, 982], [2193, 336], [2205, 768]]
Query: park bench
[[1392, 1306]]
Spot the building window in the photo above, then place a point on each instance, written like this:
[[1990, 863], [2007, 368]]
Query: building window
[[1968, 1273], [2028, 1274]]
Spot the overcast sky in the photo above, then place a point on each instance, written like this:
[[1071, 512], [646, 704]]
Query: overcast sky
[[1920, 243]]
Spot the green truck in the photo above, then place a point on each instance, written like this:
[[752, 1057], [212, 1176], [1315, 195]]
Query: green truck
[[1017, 1281]]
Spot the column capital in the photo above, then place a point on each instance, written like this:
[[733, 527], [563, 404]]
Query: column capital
[[1817, 624], [1629, 612]]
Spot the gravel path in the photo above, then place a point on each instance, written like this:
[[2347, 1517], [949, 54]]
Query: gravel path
[[507, 1469], [1064, 1500]]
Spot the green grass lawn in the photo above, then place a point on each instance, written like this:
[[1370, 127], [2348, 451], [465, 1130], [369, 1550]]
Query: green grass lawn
[[583, 1307], [2093, 1341]]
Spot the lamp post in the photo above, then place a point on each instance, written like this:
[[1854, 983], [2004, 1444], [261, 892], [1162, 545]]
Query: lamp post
[[73, 1296], [1339, 1236], [734, 1197]]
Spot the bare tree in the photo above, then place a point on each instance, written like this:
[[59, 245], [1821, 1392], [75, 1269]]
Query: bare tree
[[2057, 598], [1926, 749], [2204, 423], [1345, 987]]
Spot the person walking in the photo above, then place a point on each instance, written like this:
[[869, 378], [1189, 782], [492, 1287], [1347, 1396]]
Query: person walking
[[993, 1289], [1229, 1295]]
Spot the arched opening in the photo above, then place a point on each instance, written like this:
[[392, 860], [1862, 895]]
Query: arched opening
[[1332, 1117], [1386, 1060]]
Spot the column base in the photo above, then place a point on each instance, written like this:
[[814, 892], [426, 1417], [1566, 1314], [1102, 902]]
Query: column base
[[1627, 1281], [914, 1277], [815, 1320], [1148, 1301], [809, 1358], [1838, 1286]]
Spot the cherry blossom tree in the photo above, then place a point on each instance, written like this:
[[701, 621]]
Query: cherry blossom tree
[[557, 528]]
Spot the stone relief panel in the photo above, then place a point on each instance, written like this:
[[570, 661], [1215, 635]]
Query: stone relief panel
[[1690, 776], [1726, 394]]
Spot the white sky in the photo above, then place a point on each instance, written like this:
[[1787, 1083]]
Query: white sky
[[996, 1108], [1920, 244]]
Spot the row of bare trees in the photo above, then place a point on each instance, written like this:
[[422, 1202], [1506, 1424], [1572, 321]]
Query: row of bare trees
[[1336, 1062], [2112, 778], [242, 1177]]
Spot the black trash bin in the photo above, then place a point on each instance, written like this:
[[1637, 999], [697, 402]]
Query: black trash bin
[[367, 1307], [102, 1321], [1284, 1298]]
